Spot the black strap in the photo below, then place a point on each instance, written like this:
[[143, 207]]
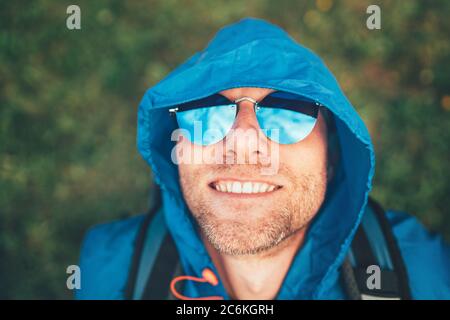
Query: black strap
[[394, 283], [164, 269], [389, 284], [139, 244], [360, 246], [394, 250]]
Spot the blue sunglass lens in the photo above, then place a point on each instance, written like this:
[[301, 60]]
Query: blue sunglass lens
[[285, 126], [206, 126]]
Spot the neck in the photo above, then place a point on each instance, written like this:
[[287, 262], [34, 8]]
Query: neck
[[256, 276]]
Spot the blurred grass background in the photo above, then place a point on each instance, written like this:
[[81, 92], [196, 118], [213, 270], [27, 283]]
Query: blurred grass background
[[68, 102]]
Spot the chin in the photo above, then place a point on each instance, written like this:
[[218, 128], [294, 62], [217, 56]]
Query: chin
[[241, 212]]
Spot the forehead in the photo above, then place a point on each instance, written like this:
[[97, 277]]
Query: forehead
[[255, 93]]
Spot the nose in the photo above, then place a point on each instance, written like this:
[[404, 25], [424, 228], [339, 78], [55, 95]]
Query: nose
[[245, 143]]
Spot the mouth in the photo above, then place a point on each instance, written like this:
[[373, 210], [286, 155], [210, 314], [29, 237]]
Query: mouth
[[243, 187]]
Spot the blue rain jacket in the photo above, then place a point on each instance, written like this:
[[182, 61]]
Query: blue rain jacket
[[254, 53]]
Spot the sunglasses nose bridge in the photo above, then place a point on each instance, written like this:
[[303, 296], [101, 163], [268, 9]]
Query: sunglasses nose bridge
[[246, 138], [253, 101], [246, 116]]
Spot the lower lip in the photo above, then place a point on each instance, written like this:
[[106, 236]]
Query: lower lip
[[245, 195]]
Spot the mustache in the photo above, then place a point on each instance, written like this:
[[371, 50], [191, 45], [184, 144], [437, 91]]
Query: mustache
[[247, 170], [253, 171]]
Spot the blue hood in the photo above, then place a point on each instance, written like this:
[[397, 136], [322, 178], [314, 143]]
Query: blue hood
[[254, 53]]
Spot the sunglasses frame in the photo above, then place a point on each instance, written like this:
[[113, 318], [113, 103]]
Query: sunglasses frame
[[256, 104]]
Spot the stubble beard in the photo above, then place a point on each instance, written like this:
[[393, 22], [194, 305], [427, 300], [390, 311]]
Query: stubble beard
[[251, 236]]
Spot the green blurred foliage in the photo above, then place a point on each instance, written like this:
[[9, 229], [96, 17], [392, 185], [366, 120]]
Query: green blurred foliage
[[68, 102]]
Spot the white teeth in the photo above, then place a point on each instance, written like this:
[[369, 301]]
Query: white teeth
[[247, 187], [243, 187], [236, 187], [263, 187]]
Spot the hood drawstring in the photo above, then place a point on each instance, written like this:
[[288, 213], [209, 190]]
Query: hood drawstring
[[207, 276]]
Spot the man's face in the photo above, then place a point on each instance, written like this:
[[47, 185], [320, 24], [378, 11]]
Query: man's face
[[242, 211]]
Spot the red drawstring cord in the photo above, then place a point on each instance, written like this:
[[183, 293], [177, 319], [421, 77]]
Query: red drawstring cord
[[207, 276]]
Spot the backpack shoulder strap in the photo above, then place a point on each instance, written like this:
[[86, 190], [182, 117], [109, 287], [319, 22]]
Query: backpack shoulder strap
[[155, 261], [375, 245], [162, 268]]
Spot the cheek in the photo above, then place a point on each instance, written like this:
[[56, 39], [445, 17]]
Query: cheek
[[188, 153], [184, 152], [190, 159], [308, 155], [304, 159]]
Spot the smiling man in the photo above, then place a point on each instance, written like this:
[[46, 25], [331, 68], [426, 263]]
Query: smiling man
[[229, 228], [248, 218]]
